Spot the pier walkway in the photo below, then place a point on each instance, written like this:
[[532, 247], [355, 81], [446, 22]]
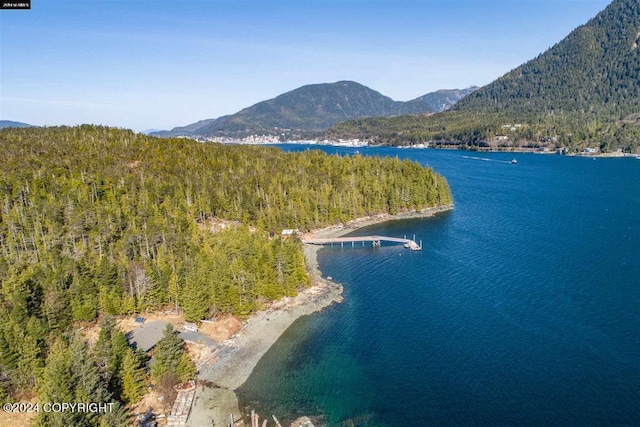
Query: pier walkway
[[375, 240]]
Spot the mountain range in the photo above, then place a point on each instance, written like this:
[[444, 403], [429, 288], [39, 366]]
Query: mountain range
[[314, 108], [596, 68], [12, 124], [583, 91]]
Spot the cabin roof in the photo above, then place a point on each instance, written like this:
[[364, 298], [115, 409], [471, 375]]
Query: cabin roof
[[147, 335]]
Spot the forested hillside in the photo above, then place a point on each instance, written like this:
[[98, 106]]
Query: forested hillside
[[96, 220], [584, 91], [308, 110], [444, 99], [594, 71]]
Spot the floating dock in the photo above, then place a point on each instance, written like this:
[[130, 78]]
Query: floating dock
[[375, 241]]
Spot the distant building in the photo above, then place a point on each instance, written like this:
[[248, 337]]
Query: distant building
[[511, 127], [289, 232]]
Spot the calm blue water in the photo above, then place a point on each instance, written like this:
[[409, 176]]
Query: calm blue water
[[522, 309]]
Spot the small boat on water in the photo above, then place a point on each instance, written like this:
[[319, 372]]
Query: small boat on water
[[514, 162]]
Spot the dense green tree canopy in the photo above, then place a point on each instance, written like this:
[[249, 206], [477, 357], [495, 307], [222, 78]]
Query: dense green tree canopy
[[95, 220]]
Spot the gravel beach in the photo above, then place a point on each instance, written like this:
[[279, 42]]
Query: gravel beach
[[215, 399]]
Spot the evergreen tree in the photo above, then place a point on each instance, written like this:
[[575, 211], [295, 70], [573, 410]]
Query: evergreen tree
[[57, 386], [115, 417], [29, 365], [186, 369], [103, 348], [71, 375], [133, 378], [98, 221], [109, 351], [89, 386], [169, 351]]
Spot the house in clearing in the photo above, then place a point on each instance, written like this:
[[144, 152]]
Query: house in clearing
[[146, 336], [289, 232]]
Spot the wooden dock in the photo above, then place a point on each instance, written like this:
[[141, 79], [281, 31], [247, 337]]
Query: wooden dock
[[375, 241]]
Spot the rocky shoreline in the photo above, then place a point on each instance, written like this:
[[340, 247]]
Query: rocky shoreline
[[215, 399]]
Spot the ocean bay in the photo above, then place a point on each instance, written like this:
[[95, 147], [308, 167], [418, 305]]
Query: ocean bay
[[522, 309]]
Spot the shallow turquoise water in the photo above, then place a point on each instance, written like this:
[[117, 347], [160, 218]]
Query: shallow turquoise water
[[522, 309]]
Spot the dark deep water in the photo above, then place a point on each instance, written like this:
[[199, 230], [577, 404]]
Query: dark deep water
[[522, 309]]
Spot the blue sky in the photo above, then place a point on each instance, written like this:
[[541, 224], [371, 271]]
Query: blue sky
[[159, 64]]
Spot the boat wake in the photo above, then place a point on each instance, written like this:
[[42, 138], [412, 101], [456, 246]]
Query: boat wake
[[487, 160]]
